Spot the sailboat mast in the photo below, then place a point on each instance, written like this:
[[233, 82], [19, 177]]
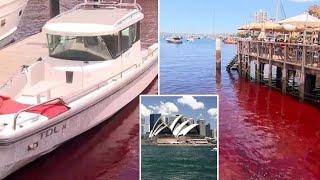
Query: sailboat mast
[[277, 10]]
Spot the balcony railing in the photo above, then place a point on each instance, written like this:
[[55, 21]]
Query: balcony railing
[[283, 52]]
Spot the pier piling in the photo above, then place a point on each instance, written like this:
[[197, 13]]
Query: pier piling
[[302, 74], [258, 71], [284, 78], [218, 54], [54, 8]]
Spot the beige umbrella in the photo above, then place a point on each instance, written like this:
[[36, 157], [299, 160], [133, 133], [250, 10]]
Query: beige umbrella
[[259, 26], [251, 26], [302, 21], [272, 26]]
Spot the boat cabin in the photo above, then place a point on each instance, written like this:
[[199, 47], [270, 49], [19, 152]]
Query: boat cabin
[[93, 33], [91, 44]]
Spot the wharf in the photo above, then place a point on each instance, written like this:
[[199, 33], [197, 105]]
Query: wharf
[[24, 52], [292, 68]]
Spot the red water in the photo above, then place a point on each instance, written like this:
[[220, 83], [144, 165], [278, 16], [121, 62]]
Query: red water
[[266, 135], [108, 151]]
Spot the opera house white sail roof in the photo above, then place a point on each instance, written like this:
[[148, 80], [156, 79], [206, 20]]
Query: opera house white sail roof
[[178, 127]]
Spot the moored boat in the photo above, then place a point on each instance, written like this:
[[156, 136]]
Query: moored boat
[[174, 40], [229, 40], [190, 39], [95, 66], [10, 14]]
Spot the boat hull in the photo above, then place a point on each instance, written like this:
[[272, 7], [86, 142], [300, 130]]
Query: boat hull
[[10, 15], [174, 41], [14, 155]]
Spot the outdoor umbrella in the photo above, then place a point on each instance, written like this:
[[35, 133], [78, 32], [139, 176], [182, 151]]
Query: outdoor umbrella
[[302, 21]]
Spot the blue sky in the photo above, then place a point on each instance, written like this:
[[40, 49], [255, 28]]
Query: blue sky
[[190, 106], [196, 16]]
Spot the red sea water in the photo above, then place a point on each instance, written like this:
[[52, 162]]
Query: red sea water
[[108, 151], [263, 133]]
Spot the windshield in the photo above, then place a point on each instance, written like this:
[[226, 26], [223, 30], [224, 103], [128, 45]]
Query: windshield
[[78, 48]]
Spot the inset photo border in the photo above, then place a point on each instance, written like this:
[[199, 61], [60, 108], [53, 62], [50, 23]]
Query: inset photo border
[[179, 136]]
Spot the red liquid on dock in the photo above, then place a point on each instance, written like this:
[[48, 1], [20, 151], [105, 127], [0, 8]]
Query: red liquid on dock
[[267, 135]]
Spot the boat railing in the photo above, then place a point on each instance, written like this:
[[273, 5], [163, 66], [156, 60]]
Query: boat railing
[[292, 53], [151, 51], [109, 4], [32, 107], [98, 85], [106, 4]]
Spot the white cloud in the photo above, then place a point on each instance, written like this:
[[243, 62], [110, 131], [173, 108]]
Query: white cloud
[[191, 101], [152, 107], [167, 108], [145, 112], [213, 112], [164, 108]]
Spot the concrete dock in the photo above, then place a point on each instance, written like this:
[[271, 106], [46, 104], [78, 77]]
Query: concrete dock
[[24, 52]]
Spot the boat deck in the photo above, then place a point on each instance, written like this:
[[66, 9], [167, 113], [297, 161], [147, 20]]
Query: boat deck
[[24, 52]]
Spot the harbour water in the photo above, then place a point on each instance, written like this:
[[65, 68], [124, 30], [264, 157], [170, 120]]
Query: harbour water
[[167, 162], [263, 133], [108, 151]]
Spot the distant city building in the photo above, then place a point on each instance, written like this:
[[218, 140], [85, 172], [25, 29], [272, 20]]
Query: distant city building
[[260, 16], [214, 133], [202, 127], [153, 119], [208, 131], [144, 127], [180, 126]]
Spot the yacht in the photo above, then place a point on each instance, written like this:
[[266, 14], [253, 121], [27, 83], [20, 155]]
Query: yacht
[[95, 66], [174, 40], [190, 39], [10, 14], [214, 149]]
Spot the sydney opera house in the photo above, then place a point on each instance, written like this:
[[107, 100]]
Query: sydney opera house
[[176, 126]]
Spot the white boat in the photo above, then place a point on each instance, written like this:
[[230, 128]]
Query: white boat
[[94, 68], [190, 39], [214, 149], [174, 40], [10, 14]]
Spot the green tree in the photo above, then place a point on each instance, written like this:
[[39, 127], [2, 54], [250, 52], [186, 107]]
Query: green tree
[[314, 10]]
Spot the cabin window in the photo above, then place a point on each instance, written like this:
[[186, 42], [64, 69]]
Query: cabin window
[[112, 42], [125, 40], [129, 36], [78, 48], [134, 33]]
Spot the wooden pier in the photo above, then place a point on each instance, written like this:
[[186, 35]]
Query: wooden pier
[[292, 68]]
